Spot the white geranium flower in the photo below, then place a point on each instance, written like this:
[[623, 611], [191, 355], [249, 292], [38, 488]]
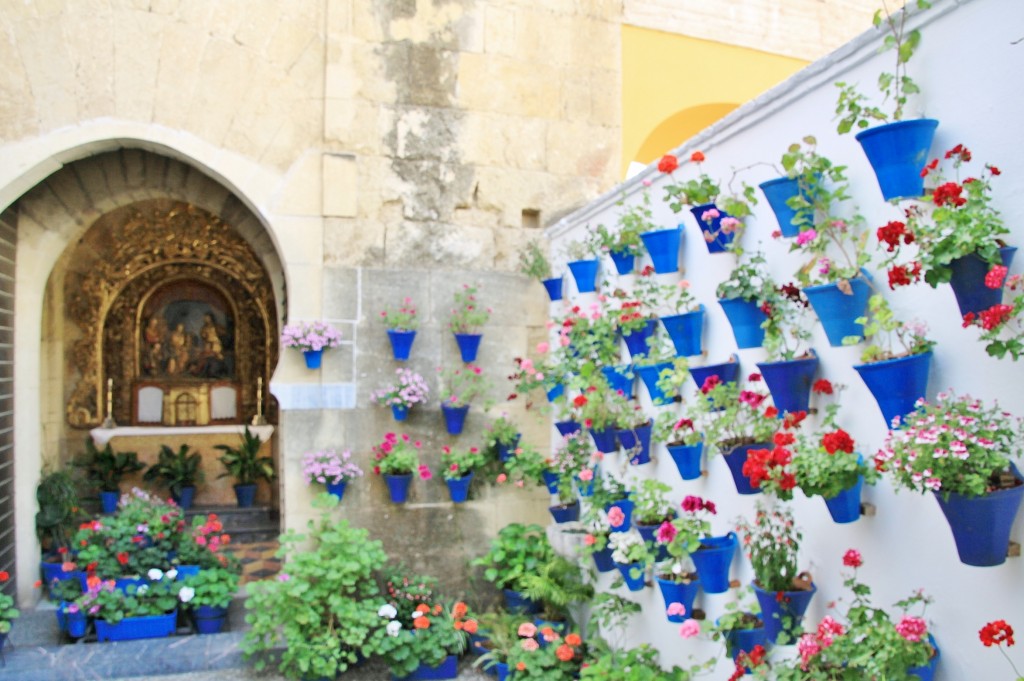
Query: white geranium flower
[[155, 575], [186, 594], [394, 627], [141, 589], [171, 574], [387, 610]]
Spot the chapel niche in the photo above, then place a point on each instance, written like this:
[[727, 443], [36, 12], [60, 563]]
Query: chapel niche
[[176, 316]]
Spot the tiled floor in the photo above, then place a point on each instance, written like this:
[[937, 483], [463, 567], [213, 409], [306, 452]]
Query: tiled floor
[[258, 560]]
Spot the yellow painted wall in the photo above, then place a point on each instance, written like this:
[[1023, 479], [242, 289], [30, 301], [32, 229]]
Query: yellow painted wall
[[674, 86]]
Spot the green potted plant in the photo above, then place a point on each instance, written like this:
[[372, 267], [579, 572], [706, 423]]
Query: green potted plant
[[8, 612], [501, 437], [651, 507], [558, 584], [178, 472], [401, 323], [631, 555], [244, 463], [105, 468], [742, 297], [457, 467], [517, 551], [545, 655], [741, 627], [396, 458], [213, 589], [460, 386], [684, 442], [633, 664], [534, 263], [56, 519], [679, 538], [583, 264], [497, 636], [422, 641], [140, 611], [467, 320], [623, 243]]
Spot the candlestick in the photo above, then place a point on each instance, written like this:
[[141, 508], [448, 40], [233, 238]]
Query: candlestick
[[258, 420], [109, 421]]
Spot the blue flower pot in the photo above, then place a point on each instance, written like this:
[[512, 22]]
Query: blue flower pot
[[637, 443], [735, 458], [448, 669], [108, 501], [567, 427], [454, 417], [400, 412], [626, 506], [633, 574], [555, 392], [782, 615], [398, 487], [245, 495], [719, 241], [516, 601], [337, 489], [401, 343], [684, 594], [554, 288], [636, 341], [650, 375], [838, 311], [585, 488], [186, 571], [210, 619], [897, 384], [713, 560], [687, 459], [650, 537], [623, 261], [727, 372], [663, 247], [550, 481], [739, 641], [981, 525], [53, 572], [507, 451], [458, 488], [134, 628], [845, 506], [313, 358], [584, 272], [927, 672], [620, 378], [790, 382], [968, 282], [75, 623], [565, 513], [778, 192], [603, 560], [469, 345], [184, 498], [605, 440], [897, 153], [686, 331], [746, 318]]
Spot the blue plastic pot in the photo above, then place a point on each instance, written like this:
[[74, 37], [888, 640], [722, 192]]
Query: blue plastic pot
[[133, 628], [337, 489], [637, 443], [555, 392], [567, 427], [684, 594], [210, 619], [458, 488], [184, 498], [778, 192], [313, 358], [550, 481], [735, 458], [245, 495], [554, 288], [927, 672], [603, 560], [663, 247], [897, 153], [745, 318], [739, 641], [516, 601], [623, 260], [469, 345], [108, 501], [968, 282], [620, 378], [75, 623], [186, 571], [686, 331], [650, 537], [626, 506], [897, 384], [565, 513], [398, 487], [507, 451], [711, 231], [981, 525], [838, 311], [584, 272], [605, 440], [633, 574], [399, 412], [687, 459], [448, 669], [845, 506], [454, 417], [782, 615], [401, 343], [636, 341], [713, 560], [790, 382], [727, 372], [650, 375]]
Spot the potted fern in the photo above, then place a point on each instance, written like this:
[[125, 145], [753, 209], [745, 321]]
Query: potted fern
[[245, 464]]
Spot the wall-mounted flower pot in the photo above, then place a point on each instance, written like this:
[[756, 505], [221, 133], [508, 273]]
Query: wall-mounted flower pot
[[981, 525], [565, 513], [313, 358], [626, 506], [401, 343], [633, 574], [739, 641], [603, 560], [711, 230], [550, 481], [897, 384], [336, 489], [790, 382], [507, 450], [554, 288], [845, 506], [687, 459], [605, 440], [650, 375], [398, 487], [663, 247], [727, 372], [399, 412], [713, 561], [620, 378], [623, 261], [637, 443], [838, 311], [516, 601], [469, 345], [584, 272], [458, 488], [968, 282], [745, 317], [782, 615], [682, 593], [636, 340], [735, 458], [897, 153], [454, 418], [566, 428], [778, 192], [686, 331]]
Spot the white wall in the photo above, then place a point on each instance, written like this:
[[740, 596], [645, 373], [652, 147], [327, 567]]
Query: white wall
[[969, 70]]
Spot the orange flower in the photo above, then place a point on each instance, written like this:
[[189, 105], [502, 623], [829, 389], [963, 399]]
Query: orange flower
[[437, 609], [564, 653], [470, 626], [520, 666], [421, 622], [38, 584], [573, 639], [459, 610], [458, 625], [225, 539], [422, 607]]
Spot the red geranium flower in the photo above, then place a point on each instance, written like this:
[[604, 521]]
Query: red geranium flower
[[995, 633], [668, 163], [822, 387]]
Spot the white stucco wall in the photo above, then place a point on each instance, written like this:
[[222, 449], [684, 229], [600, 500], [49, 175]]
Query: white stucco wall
[[965, 67]]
